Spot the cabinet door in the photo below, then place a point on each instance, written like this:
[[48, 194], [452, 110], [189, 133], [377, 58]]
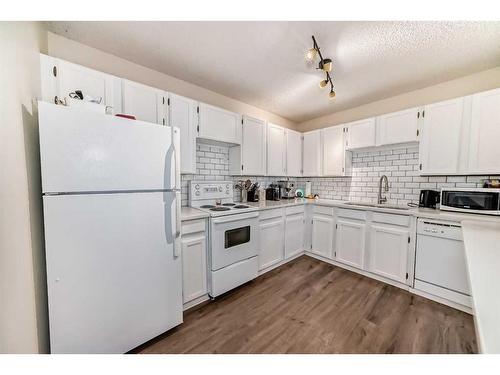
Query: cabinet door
[[294, 234], [219, 125], [293, 153], [144, 102], [333, 151], [398, 127], [194, 267], [484, 150], [71, 77], [389, 251], [440, 139], [253, 147], [271, 242], [276, 150], [350, 242], [312, 149], [360, 134], [182, 114], [322, 235]]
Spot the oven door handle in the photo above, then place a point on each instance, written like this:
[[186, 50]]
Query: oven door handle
[[230, 218]]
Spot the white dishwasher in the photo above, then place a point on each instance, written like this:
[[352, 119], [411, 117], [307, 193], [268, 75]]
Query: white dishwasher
[[440, 267]]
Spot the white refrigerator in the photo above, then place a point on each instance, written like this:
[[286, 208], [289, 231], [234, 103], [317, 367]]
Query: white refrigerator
[[111, 202]]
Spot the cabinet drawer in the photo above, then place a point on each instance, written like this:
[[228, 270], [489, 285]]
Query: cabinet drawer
[[269, 214], [352, 214], [294, 210], [402, 220], [323, 210], [193, 226]]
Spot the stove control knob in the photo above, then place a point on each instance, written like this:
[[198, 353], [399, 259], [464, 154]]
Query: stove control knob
[[197, 193], [227, 186], [220, 189], [227, 192], [197, 187]]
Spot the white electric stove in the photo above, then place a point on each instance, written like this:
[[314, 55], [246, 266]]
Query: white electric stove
[[233, 235]]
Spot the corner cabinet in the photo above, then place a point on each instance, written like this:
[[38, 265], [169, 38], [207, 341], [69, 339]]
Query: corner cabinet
[[484, 134], [312, 147], [194, 260], [360, 134], [217, 124], [336, 161], [323, 224], [182, 113], [293, 153], [398, 127], [276, 150], [294, 230], [144, 102]]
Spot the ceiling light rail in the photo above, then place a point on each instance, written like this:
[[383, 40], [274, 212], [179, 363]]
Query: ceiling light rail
[[324, 65]]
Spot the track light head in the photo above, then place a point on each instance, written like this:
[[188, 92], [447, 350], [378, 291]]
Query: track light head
[[326, 65], [323, 83], [332, 94], [311, 55]]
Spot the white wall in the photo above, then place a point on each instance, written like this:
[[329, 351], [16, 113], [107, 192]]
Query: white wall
[[23, 306], [481, 81], [82, 54]]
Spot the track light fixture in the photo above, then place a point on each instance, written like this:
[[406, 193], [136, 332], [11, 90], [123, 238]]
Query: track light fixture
[[324, 65]]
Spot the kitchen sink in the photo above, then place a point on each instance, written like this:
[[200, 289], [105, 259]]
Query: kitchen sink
[[382, 205]]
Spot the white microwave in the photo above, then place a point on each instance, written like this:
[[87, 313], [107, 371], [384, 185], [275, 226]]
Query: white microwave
[[471, 200]]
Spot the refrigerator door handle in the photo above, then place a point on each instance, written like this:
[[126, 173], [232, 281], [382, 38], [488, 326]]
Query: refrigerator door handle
[[178, 223]]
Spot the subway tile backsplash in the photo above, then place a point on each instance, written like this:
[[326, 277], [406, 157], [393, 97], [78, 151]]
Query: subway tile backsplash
[[399, 164]]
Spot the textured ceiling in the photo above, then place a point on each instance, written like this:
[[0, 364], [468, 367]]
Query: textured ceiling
[[262, 63]]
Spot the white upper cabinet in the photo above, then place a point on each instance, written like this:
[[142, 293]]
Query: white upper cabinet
[[217, 124], [335, 159], [182, 113], [312, 151], [60, 78], [398, 127], [293, 153], [249, 159], [276, 150], [360, 134], [144, 102], [484, 134], [440, 137]]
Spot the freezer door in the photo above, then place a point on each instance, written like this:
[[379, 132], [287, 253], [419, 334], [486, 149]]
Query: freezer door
[[83, 151], [114, 281]]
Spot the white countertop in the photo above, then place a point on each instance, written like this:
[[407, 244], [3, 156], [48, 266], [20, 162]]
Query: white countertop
[[482, 250], [190, 213]]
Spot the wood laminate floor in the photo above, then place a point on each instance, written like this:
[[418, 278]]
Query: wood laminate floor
[[308, 306]]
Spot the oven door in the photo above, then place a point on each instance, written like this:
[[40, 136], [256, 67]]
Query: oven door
[[233, 238]]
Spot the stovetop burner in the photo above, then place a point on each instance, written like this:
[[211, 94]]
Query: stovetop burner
[[241, 206], [229, 204], [207, 206], [220, 209]]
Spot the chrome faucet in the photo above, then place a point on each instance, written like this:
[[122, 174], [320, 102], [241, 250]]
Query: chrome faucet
[[385, 181]]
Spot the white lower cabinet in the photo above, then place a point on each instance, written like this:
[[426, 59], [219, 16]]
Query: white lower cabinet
[[271, 228], [294, 231], [389, 251], [322, 231], [194, 260], [350, 242]]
